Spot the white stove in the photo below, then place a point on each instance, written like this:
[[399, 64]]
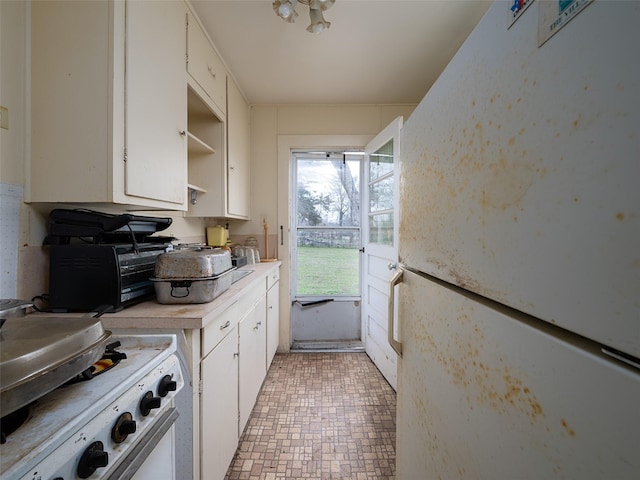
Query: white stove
[[106, 427]]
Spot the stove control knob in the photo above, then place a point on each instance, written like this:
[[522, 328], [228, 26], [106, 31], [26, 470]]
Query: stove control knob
[[124, 426], [148, 403], [94, 457], [166, 385]]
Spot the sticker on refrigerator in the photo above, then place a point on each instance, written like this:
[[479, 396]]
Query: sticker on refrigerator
[[555, 14], [516, 8]]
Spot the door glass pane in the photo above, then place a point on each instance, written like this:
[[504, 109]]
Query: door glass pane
[[381, 195], [381, 161], [328, 225], [381, 228], [381, 185]]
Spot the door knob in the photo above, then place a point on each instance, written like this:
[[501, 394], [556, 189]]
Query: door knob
[[392, 266]]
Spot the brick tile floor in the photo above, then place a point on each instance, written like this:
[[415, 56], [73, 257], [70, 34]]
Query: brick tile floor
[[320, 416]]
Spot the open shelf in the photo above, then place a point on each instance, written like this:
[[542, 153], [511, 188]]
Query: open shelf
[[197, 146], [206, 165]]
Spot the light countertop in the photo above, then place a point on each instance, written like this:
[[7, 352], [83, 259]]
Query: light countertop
[[151, 314]]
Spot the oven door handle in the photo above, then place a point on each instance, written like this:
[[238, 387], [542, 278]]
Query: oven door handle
[[130, 465]]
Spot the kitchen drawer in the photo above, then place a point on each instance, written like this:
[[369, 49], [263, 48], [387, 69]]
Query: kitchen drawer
[[219, 328], [205, 66], [273, 278]]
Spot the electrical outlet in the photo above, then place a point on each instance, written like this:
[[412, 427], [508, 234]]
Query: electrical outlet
[[4, 118]]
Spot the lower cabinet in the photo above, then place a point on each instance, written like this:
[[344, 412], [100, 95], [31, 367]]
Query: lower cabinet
[[236, 351], [253, 351], [219, 407], [273, 316]]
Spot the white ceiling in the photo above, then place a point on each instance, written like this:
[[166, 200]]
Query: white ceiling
[[375, 52]]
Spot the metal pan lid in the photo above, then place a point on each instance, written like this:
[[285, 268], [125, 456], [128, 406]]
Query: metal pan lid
[[12, 307], [32, 347]]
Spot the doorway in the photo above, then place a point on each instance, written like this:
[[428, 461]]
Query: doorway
[[380, 242], [326, 250]]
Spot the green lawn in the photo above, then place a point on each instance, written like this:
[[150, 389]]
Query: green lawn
[[328, 271]]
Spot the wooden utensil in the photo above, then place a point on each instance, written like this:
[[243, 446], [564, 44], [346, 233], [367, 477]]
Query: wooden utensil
[[266, 245]]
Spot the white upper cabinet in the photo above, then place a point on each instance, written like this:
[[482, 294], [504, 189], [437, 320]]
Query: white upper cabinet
[[204, 65], [109, 104], [238, 153], [156, 96], [218, 130]]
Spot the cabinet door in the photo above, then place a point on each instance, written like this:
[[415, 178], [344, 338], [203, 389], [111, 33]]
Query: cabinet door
[[253, 350], [156, 102], [238, 159], [273, 322], [205, 66], [219, 407], [70, 95]]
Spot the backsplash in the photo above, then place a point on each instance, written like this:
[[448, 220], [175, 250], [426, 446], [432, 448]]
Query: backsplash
[[10, 199], [31, 274]]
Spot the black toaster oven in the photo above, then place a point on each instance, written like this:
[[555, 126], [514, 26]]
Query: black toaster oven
[[85, 277]]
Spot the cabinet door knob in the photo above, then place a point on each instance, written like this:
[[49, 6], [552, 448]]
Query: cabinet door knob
[[182, 133]]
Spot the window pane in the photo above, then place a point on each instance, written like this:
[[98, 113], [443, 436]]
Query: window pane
[[328, 262], [381, 162], [328, 192], [381, 195], [381, 228]]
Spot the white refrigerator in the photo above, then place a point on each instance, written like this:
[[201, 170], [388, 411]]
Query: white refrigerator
[[518, 292]]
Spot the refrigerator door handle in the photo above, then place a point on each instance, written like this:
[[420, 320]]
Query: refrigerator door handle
[[395, 280]]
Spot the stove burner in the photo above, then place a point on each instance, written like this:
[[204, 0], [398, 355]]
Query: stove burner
[[109, 360], [10, 423]]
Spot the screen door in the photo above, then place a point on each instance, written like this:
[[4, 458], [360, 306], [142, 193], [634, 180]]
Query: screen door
[[326, 255]]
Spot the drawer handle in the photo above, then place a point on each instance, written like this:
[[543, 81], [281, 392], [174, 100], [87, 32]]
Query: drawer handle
[[213, 74], [222, 327]]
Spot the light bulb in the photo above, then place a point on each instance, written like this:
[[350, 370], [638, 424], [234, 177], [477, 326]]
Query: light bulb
[[284, 10], [318, 23]]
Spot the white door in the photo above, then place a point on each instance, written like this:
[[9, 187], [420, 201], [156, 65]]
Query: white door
[[380, 241], [326, 312], [156, 113]]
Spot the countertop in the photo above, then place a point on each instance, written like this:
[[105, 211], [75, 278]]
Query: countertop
[[151, 314]]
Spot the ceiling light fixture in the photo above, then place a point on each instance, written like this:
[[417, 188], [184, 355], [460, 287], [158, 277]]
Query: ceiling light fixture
[[286, 10]]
